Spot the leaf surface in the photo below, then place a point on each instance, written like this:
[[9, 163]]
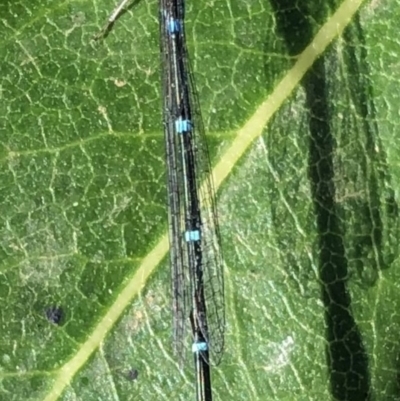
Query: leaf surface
[[308, 214]]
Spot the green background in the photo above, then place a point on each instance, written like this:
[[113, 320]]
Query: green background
[[309, 217]]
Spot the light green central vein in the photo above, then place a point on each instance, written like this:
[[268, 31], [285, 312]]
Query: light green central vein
[[246, 135]]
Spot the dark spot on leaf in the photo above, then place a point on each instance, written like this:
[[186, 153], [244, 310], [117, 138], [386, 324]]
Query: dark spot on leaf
[[85, 381], [132, 374], [54, 314]]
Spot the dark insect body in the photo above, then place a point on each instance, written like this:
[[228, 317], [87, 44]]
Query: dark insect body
[[195, 255]]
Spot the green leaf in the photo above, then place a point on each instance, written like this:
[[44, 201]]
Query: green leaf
[[300, 105]]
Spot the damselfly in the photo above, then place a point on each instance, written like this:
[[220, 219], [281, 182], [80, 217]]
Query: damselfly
[[195, 255]]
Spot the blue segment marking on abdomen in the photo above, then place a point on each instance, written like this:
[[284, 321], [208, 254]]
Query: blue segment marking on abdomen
[[193, 235]]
